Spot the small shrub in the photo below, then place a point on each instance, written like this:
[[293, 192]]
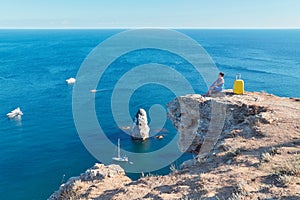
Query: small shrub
[[68, 195], [235, 196], [241, 188], [290, 167], [232, 154], [173, 168], [285, 180], [266, 157]]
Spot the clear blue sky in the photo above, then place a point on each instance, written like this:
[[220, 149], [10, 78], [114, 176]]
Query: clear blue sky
[[149, 13]]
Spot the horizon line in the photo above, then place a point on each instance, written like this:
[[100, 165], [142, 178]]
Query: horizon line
[[180, 28]]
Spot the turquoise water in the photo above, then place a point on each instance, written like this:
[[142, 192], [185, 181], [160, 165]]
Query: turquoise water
[[37, 152]]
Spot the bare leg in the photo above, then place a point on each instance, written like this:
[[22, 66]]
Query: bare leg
[[209, 92]]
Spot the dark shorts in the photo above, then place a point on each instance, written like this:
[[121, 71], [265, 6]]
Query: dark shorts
[[217, 89]]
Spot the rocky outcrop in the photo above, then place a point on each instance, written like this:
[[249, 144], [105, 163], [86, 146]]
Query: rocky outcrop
[[140, 129], [92, 183], [201, 121]]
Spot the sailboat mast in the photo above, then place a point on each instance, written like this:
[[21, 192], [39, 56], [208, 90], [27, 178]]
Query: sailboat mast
[[119, 156]]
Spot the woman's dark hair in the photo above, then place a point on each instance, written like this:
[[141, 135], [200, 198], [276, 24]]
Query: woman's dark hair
[[222, 74]]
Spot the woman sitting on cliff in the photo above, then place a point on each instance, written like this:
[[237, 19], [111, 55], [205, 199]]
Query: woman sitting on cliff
[[217, 86]]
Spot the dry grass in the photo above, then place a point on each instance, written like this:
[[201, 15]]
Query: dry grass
[[286, 180], [68, 195], [266, 157], [236, 196], [233, 153], [291, 167], [173, 168], [241, 188]]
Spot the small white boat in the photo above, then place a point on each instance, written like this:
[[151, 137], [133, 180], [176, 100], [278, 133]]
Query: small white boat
[[93, 91], [120, 158], [71, 80], [15, 113]]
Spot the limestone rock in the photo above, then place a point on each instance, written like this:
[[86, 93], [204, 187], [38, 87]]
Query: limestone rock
[[201, 121], [266, 118], [187, 164], [99, 174], [140, 129], [100, 171]]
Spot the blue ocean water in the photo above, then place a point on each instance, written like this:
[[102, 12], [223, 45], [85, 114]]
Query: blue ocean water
[[40, 152]]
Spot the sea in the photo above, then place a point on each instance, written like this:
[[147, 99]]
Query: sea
[[42, 150]]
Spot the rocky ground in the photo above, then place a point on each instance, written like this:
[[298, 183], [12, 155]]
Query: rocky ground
[[257, 155]]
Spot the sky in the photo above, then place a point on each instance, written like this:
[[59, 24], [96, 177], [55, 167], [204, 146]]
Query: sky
[[149, 13]]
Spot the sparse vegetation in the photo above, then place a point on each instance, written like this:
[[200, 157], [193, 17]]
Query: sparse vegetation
[[68, 195], [290, 167], [241, 189], [286, 180], [233, 153], [235, 196], [266, 157], [173, 168], [197, 194]]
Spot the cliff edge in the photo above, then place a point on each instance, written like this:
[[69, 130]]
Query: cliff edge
[[248, 147]]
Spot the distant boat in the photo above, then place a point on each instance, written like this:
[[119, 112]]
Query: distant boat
[[120, 158], [71, 80], [15, 113]]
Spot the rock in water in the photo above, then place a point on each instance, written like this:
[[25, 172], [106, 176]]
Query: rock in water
[[140, 129]]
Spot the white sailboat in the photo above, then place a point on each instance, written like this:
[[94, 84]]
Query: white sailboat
[[71, 80], [120, 158]]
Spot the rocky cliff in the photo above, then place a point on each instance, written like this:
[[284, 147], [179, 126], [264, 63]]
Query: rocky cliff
[[248, 146], [201, 121]]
